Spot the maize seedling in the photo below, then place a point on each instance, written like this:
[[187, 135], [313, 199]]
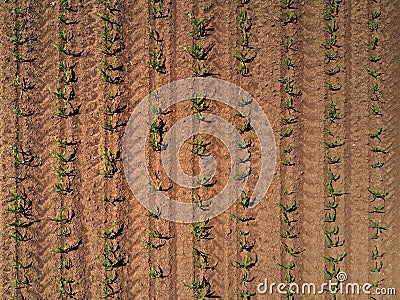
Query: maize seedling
[[155, 9], [197, 51], [108, 258], [287, 17], [286, 4], [201, 70], [335, 260], [377, 195], [198, 146], [288, 208], [331, 159], [377, 209], [245, 279], [199, 230], [202, 181], [286, 133], [156, 61], [378, 267], [374, 43], [201, 259], [245, 124], [200, 289], [246, 295], [376, 133], [108, 158], [377, 164], [378, 229], [285, 219], [375, 110], [242, 219], [154, 274], [290, 251], [246, 172], [108, 234], [153, 35], [332, 71], [199, 27], [375, 57], [378, 149], [332, 243], [244, 200], [330, 217], [245, 264], [333, 273], [374, 72], [375, 254], [330, 55], [287, 235]]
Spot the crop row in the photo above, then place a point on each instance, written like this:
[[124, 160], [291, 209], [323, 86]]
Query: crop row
[[378, 197]]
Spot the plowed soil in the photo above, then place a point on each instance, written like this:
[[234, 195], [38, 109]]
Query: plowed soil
[[305, 181]]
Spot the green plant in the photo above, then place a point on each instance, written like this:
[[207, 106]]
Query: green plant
[[286, 4], [332, 243], [155, 9], [108, 234], [109, 161], [376, 133], [201, 259], [199, 27], [287, 17], [63, 157], [375, 254], [332, 71], [287, 119], [199, 105], [377, 195], [333, 86], [108, 199], [333, 144], [155, 234], [108, 258], [153, 34], [202, 181], [377, 164], [201, 70], [374, 43], [287, 162], [197, 51], [245, 173], [244, 200], [199, 230], [375, 110], [378, 149], [335, 260], [331, 159], [290, 251], [154, 274], [245, 124], [243, 218], [330, 55], [200, 289], [198, 146], [245, 264], [61, 218], [155, 61], [378, 229], [288, 208], [332, 112], [286, 133], [375, 57], [374, 72]]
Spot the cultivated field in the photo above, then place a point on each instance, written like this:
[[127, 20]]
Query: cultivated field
[[326, 73]]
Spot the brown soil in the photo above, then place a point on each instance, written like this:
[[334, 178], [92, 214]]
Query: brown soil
[[305, 181]]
